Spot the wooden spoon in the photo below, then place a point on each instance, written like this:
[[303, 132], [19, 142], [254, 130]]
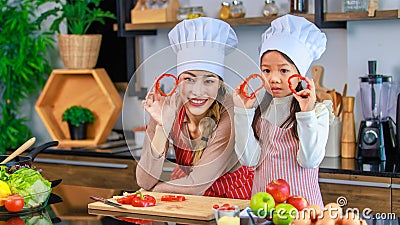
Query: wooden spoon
[[20, 150]]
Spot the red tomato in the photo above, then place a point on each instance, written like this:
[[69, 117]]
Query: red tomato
[[15, 221], [14, 203]]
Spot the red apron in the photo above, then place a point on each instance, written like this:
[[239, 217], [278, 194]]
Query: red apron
[[279, 160], [236, 184]]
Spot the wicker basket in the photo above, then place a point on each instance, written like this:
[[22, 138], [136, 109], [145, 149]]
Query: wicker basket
[[79, 51]]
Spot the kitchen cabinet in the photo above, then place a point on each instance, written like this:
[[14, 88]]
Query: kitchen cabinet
[[360, 192], [396, 195], [89, 171]]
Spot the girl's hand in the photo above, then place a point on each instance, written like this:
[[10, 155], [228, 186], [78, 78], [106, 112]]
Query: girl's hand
[[307, 103], [161, 109], [241, 101]]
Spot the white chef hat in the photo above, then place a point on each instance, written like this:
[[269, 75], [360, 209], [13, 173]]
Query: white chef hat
[[296, 37], [201, 44]]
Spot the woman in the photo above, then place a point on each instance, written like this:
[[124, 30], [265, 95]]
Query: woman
[[198, 121]]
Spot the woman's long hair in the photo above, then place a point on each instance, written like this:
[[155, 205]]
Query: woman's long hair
[[209, 123], [294, 107]]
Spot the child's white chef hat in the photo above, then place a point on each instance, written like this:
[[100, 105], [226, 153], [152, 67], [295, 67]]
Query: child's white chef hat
[[201, 44], [296, 37]]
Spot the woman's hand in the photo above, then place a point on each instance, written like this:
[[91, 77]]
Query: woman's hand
[[307, 103], [161, 109]]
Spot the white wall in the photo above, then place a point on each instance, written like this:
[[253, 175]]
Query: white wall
[[348, 51]]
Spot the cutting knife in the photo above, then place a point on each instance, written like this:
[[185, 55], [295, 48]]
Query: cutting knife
[[105, 201]]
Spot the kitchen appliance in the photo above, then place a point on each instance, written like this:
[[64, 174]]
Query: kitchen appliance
[[376, 137]]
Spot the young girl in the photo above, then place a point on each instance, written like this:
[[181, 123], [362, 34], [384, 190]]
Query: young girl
[[198, 120], [288, 134]]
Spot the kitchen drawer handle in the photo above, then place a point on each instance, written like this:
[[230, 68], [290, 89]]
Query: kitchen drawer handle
[[82, 163], [352, 182]]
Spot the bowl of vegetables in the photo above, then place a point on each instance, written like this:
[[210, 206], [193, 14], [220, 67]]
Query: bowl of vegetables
[[22, 190]]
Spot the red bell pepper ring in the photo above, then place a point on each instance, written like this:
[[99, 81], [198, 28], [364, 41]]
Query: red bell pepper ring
[[291, 85], [173, 198], [225, 206], [246, 82], [158, 86], [138, 200]]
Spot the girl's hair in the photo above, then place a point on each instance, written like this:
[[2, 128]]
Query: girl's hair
[[208, 123], [294, 107]]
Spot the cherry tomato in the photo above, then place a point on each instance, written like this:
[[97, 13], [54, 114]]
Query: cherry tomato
[[15, 221], [216, 206], [14, 203]]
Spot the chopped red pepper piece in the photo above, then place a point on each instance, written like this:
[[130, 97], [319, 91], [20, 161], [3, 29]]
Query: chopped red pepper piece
[[135, 220], [291, 85], [246, 82], [225, 206], [138, 200], [173, 198], [158, 86]]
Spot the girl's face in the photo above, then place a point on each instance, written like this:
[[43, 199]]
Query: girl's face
[[276, 70], [198, 90]]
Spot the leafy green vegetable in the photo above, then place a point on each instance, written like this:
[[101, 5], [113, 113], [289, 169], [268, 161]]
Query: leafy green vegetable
[[3, 173], [37, 220], [30, 184]]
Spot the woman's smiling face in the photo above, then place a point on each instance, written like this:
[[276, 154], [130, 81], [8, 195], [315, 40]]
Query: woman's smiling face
[[276, 70], [198, 90]]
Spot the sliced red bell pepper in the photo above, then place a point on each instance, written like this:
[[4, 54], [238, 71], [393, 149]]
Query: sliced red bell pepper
[[134, 220], [225, 206], [138, 200], [158, 86], [173, 198], [291, 85], [246, 82]]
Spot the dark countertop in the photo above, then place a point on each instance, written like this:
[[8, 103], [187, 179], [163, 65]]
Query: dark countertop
[[336, 165], [68, 205]]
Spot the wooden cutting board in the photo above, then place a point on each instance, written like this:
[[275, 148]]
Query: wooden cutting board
[[195, 207]]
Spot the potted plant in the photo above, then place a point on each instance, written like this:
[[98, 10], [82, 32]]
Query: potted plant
[[78, 118], [24, 67], [78, 50]]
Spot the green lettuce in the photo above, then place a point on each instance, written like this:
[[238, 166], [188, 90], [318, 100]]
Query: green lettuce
[[37, 220], [30, 184], [3, 173]]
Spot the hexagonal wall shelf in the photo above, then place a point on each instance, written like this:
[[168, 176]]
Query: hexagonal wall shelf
[[91, 88]]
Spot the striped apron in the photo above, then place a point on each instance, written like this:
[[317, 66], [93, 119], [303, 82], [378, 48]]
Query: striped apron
[[235, 184], [279, 161]]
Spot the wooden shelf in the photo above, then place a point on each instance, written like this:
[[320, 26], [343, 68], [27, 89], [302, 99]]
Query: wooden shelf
[[355, 16], [256, 21], [91, 88]]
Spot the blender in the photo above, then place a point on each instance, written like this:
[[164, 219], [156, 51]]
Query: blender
[[376, 137]]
